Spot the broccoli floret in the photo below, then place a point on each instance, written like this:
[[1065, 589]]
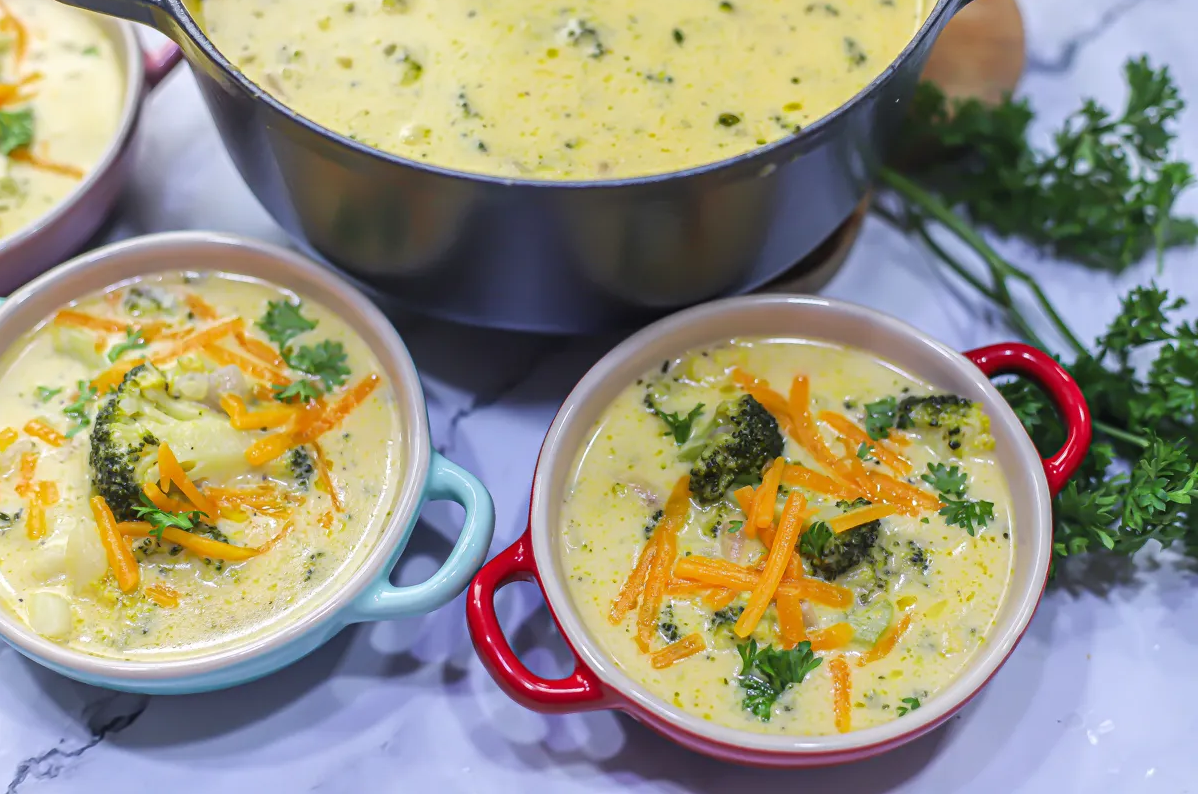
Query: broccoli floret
[[963, 421], [299, 464], [741, 439], [843, 551], [140, 415], [141, 301]]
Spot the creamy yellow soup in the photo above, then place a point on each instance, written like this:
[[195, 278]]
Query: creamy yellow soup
[[592, 89], [61, 97], [895, 605], [278, 420]]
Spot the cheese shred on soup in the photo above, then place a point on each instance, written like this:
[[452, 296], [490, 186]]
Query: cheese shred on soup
[[186, 461], [788, 537], [590, 89]]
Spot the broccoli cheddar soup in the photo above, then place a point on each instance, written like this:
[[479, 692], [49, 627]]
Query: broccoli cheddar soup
[[185, 461], [591, 89], [788, 537]]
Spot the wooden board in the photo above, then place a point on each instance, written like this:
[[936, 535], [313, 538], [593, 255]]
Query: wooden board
[[981, 54]]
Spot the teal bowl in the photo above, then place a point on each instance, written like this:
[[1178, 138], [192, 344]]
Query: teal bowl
[[364, 593]]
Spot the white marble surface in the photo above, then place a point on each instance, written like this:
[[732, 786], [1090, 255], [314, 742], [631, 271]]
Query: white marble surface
[[1099, 697]]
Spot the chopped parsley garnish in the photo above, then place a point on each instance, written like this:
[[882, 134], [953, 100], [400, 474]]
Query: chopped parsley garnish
[[16, 130], [863, 451], [946, 479], [734, 526], [283, 322], [324, 360], [161, 519], [966, 513], [680, 426], [880, 416], [133, 341], [767, 672], [302, 390], [728, 119], [45, 393], [679, 37], [813, 541], [78, 409], [912, 705]]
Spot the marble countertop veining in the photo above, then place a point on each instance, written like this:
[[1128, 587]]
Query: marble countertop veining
[[1100, 695]]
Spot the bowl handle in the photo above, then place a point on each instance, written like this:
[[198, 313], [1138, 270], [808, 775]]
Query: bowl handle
[[384, 601], [1048, 374], [579, 691]]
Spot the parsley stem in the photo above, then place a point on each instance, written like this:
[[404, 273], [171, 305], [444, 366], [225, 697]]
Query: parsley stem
[[1119, 434], [1000, 268]]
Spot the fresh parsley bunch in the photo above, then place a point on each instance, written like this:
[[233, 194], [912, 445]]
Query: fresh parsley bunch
[[1103, 196]]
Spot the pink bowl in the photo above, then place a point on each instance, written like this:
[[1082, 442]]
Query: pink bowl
[[63, 230], [598, 682]]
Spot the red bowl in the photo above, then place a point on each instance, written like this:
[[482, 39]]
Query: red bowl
[[69, 224], [599, 683]]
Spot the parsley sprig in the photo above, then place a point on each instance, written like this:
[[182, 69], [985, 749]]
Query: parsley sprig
[[160, 519], [768, 672], [133, 341], [814, 539], [1103, 195], [78, 409], [325, 361], [680, 426], [880, 417]]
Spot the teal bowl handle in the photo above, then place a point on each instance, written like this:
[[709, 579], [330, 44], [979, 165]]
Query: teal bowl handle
[[447, 481]]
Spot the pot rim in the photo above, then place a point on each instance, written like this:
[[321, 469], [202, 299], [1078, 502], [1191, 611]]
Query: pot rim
[[982, 665], [312, 282], [124, 36], [804, 140]]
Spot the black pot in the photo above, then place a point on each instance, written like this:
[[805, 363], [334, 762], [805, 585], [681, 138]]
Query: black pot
[[546, 256]]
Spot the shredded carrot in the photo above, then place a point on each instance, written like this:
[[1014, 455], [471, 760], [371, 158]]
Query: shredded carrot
[[721, 573], [835, 636], [274, 541], [162, 501], [351, 399], [672, 654], [169, 468], [805, 431], [35, 519], [267, 448], [112, 377], [47, 492], [326, 520], [908, 498], [683, 587], [260, 497], [890, 638], [39, 429], [199, 339], [120, 557], [666, 535], [864, 515], [20, 32], [767, 495], [791, 626], [804, 477], [90, 321], [881, 450], [200, 307], [198, 544], [779, 557], [28, 467], [718, 598], [842, 693], [8, 437], [634, 585], [253, 369], [163, 596], [326, 477], [26, 155], [262, 419], [744, 498], [261, 350]]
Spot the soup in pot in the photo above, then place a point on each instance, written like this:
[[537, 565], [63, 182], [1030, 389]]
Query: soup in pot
[[186, 461], [593, 89], [788, 537]]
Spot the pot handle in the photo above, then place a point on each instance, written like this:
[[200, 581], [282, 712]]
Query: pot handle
[[144, 11], [1036, 365], [579, 691], [384, 601]]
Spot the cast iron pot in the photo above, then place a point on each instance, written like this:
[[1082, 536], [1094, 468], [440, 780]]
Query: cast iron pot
[[546, 256]]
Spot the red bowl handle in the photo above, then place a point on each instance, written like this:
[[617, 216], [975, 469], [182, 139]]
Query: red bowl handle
[[161, 62], [1043, 369], [580, 691]]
